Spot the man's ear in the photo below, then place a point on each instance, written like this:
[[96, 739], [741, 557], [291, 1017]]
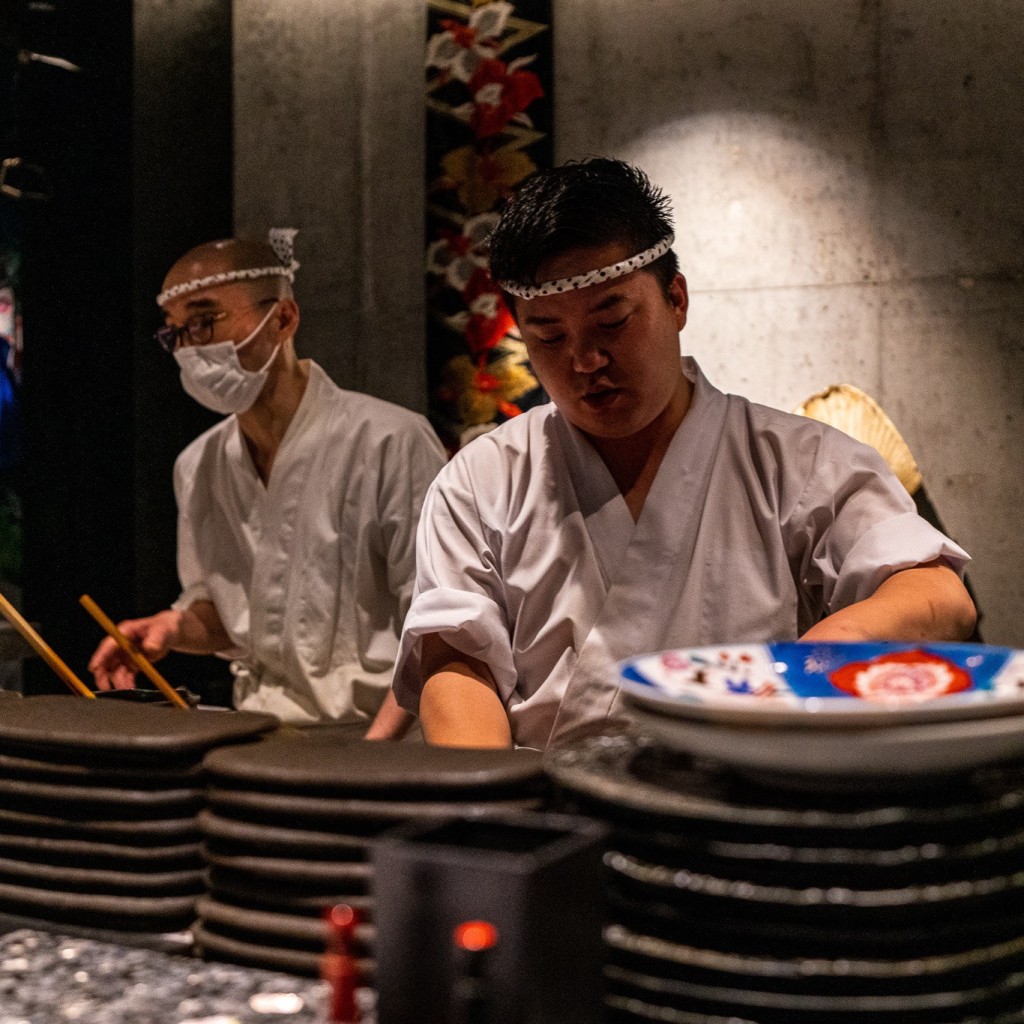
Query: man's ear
[[287, 315], [679, 299]]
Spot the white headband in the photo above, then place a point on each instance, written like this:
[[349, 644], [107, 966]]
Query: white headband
[[568, 284], [281, 240]]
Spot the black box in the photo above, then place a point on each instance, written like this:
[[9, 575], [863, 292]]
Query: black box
[[536, 877]]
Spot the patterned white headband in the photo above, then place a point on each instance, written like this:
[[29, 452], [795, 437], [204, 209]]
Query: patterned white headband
[[281, 240], [599, 276]]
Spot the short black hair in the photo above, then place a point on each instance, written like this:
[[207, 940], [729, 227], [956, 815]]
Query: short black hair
[[581, 204]]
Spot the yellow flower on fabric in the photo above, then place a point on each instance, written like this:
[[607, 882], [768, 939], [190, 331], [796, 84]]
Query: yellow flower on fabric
[[480, 394], [481, 179]]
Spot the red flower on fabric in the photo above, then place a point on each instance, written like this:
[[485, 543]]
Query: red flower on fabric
[[485, 381], [908, 677], [480, 284], [500, 92], [458, 243], [483, 333], [463, 35], [489, 319]]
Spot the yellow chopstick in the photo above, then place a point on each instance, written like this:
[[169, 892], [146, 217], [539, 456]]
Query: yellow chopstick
[[140, 660], [44, 650]]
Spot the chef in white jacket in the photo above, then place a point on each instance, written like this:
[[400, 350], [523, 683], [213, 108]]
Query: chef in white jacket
[[296, 513], [642, 509]]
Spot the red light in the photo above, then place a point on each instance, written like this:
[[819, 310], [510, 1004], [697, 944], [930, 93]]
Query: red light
[[475, 935], [340, 916]]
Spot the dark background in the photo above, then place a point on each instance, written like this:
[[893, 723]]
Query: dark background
[[137, 150]]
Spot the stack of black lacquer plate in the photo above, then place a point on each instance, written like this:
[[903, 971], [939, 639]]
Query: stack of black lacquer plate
[[292, 819], [733, 901], [98, 805]]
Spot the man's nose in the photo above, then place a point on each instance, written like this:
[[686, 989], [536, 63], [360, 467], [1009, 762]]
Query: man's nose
[[587, 355]]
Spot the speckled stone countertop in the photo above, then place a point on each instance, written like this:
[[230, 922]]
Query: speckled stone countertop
[[48, 978]]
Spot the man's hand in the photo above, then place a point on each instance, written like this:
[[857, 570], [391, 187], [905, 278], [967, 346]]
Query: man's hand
[[460, 706], [196, 630], [392, 721], [924, 603], [153, 636]]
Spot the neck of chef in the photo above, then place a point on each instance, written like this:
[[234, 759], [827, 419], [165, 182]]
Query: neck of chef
[[634, 461], [264, 424]]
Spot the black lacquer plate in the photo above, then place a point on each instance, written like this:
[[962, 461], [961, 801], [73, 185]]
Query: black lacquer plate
[[108, 732], [319, 763]]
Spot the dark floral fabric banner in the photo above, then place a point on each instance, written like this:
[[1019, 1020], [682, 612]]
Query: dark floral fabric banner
[[489, 116]]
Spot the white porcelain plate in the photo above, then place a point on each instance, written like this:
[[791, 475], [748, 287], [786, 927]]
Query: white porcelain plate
[[845, 685], [885, 752]]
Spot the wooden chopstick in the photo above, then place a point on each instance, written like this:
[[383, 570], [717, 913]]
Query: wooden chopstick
[[43, 649], [140, 661]]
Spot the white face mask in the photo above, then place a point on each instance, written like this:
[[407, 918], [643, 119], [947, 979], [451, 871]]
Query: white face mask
[[214, 377]]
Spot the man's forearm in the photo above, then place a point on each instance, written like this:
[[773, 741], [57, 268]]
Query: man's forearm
[[459, 708], [200, 630], [925, 603], [459, 703]]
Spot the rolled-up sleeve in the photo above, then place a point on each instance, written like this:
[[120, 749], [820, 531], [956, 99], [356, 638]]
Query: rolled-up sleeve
[[854, 526], [458, 593]]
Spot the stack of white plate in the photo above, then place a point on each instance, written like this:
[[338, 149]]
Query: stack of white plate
[[811, 834]]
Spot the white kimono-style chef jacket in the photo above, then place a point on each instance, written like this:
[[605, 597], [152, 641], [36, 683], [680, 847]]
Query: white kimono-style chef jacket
[[757, 525], [311, 574]]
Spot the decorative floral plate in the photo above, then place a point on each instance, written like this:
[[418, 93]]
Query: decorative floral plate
[[828, 684]]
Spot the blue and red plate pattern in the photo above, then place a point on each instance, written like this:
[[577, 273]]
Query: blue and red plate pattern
[[828, 683]]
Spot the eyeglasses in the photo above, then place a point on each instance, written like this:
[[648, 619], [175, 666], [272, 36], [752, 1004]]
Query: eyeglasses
[[197, 329]]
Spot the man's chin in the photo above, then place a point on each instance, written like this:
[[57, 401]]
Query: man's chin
[[606, 427]]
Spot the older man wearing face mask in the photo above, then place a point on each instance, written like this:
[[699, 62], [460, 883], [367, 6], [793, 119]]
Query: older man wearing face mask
[[297, 513]]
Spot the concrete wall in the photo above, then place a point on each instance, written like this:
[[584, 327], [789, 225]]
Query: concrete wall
[[329, 139], [850, 207], [847, 184]]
